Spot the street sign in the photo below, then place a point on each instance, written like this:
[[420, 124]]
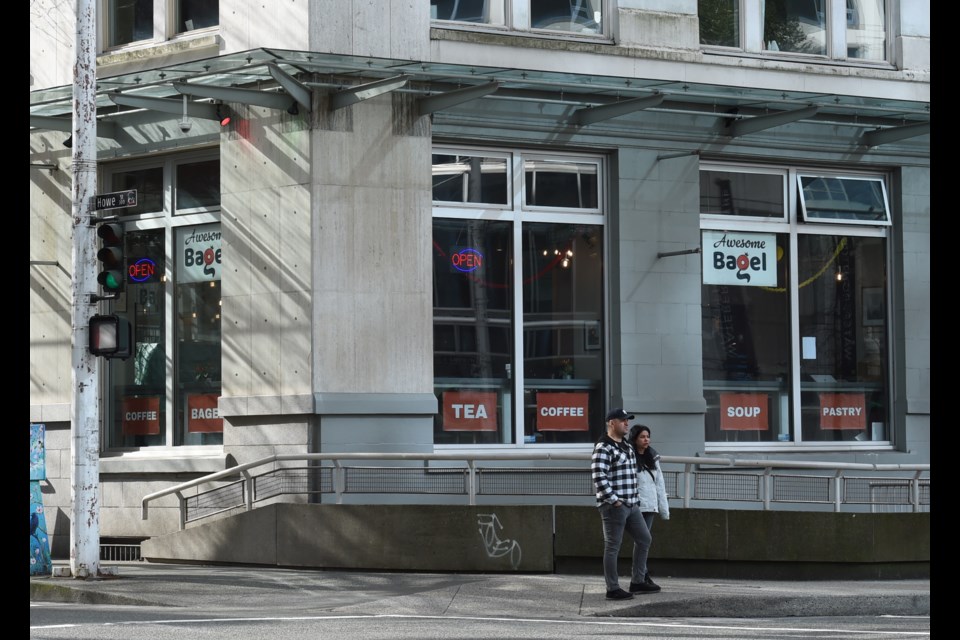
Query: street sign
[[115, 200]]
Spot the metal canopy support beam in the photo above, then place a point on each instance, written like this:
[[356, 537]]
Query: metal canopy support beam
[[589, 115], [52, 123], [290, 84], [167, 105], [744, 126], [353, 95], [882, 136], [268, 99], [449, 99]]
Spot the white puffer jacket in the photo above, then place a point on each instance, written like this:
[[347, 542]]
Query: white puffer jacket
[[651, 492]]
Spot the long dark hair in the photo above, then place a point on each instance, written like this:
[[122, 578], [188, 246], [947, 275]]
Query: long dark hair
[[645, 460]]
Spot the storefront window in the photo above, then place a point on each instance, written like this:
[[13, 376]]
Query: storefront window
[[167, 393], [138, 384], [795, 335], [499, 378]]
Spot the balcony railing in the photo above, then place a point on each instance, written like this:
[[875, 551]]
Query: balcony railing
[[545, 478]]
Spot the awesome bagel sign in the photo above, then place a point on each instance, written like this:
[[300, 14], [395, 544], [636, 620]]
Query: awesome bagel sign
[[740, 259]]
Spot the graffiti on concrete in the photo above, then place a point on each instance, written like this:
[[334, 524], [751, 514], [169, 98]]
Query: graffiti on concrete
[[40, 562], [495, 547]]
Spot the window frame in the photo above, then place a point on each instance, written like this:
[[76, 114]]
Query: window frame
[[169, 222], [751, 31], [516, 20], [165, 14], [794, 227], [518, 216]]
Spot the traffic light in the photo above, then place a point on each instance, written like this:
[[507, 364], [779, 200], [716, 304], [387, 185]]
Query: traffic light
[[110, 255], [110, 336]]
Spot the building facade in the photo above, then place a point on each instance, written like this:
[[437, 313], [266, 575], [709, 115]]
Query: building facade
[[463, 225]]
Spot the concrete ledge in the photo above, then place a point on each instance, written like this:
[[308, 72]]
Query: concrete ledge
[[566, 539]]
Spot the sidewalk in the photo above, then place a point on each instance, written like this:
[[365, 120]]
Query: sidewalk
[[248, 589]]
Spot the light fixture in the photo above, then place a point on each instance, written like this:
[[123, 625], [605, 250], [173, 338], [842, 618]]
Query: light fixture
[[224, 119], [68, 143], [185, 124], [293, 109]]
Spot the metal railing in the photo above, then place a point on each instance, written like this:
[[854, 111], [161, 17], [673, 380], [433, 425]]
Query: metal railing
[[889, 487]]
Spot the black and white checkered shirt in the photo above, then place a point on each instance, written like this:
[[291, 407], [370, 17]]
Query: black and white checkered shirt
[[614, 469]]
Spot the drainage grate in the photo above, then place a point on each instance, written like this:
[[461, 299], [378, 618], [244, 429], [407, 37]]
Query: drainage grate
[[120, 552]]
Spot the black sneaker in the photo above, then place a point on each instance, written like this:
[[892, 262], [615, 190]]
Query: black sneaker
[[619, 594], [651, 582], [643, 587]]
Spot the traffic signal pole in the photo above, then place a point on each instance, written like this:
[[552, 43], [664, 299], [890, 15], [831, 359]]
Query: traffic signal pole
[[85, 418]]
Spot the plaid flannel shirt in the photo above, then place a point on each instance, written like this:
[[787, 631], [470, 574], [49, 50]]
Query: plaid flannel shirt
[[614, 469]]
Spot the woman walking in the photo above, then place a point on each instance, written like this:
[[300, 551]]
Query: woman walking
[[651, 492]]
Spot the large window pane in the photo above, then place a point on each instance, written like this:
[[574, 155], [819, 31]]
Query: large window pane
[[746, 359], [472, 316], [148, 184], [130, 21], [866, 30], [843, 332], [719, 22], [558, 183], [796, 26], [734, 193], [197, 14], [576, 16], [198, 273], [138, 410], [198, 185], [562, 337], [481, 11], [846, 200], [470, 179]]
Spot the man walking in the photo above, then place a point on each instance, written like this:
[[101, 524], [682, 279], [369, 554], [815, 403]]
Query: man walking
[[614, 469]]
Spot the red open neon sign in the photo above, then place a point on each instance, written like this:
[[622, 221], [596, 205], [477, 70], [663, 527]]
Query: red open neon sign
[[466, 260]]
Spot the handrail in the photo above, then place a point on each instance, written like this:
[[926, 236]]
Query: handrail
[[472, 458]]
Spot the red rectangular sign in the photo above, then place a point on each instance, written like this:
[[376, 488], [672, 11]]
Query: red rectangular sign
[[562, 411], [203, 413], [843, 411], [140, 416], [744, 412], [469, 410]]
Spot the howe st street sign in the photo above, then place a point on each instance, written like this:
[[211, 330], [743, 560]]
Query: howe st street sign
[[115, 200]]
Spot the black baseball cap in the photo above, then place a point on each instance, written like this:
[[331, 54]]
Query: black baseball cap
[[618, 414]]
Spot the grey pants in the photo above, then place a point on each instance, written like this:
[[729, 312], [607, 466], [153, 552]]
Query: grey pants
[[616, 520]]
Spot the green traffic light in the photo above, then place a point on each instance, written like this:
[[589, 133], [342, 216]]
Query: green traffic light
[[110, 280]]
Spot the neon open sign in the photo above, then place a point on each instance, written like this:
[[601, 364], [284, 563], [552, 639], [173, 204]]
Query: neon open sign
[[142, 270], [466, 260]]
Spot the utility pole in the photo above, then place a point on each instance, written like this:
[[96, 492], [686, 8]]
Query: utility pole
[[85, 431]]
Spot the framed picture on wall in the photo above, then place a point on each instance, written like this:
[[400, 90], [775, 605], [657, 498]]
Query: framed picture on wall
[[872, 306]]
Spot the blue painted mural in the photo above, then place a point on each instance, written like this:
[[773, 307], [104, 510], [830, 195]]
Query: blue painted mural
[[40, 562]]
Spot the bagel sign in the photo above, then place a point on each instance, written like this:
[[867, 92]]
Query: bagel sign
[[739, 259]]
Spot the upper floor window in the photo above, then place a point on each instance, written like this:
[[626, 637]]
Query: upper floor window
[[847, 30], [132, 21], [585, 17]]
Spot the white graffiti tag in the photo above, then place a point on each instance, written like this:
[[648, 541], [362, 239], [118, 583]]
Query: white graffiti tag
[[495, 547]]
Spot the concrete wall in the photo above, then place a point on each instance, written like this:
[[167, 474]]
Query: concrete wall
[[496, 538]]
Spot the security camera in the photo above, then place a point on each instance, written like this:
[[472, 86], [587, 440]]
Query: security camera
[[185, 125]]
